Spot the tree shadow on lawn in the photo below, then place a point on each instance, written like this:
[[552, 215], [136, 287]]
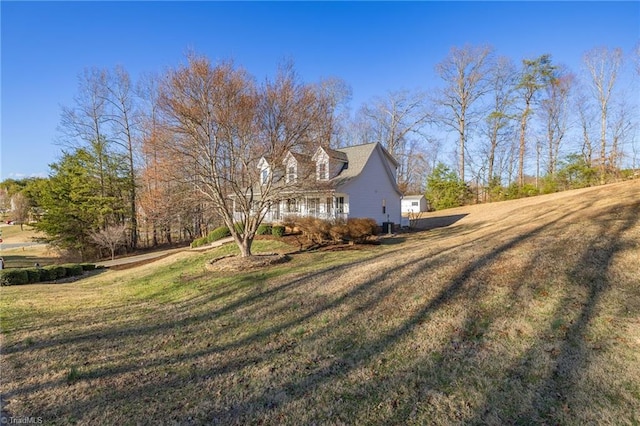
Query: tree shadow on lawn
[[308, 360], [342, 362], [426, 224], [553, 393]]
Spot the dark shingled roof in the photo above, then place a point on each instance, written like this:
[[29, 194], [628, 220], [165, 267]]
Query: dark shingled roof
[[338, 155], [357, 158]]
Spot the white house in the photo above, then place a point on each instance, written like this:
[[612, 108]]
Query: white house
[[356, 181], [414, 204]]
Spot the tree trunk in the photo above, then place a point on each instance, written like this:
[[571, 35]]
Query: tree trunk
[[462, 141], [245, 248], [523, 131], [603, 144]]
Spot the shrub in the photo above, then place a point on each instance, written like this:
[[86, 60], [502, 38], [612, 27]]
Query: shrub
[[514, 191], [56, 271], [33, 275], [14, 276], [316, 230], [339, 231], [215, 235], [73, 270], [264, 229], [361, 228], [47, 274], [277, 230], [88, 266], [320, 231], [199, 242], [218, 234]]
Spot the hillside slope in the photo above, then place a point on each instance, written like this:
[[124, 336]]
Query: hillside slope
[[522, 312]]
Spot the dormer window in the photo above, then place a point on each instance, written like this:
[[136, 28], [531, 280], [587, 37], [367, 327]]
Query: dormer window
[[328, 163], [291, 174], [265, 171], [322, 171]]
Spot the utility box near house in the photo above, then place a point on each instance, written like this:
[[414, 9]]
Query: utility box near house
[[414, 204], [387, 227]]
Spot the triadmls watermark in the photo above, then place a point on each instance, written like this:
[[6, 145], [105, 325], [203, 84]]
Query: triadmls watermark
[[24, 420]]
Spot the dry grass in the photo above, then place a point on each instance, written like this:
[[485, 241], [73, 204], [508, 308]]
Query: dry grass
[[522, 312], [25, 257]]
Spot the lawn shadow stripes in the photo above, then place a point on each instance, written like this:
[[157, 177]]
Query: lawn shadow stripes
[[342, 364], [340, 367], [553, 397], [163, 326], [238, 357]]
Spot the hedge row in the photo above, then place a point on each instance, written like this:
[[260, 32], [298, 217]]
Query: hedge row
[[223, 232], [18, 276], [266, 229], [321, 231], [278, 230], [215, 235]]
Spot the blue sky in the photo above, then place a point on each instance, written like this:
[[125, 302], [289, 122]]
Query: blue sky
[[375, 47]]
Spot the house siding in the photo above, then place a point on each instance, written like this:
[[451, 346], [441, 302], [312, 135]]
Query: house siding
[[368, 190]]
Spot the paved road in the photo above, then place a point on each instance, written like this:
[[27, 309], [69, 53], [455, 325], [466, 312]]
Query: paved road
[[7, 246]]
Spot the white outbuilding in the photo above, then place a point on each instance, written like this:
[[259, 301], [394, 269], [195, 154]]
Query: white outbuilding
[[414, 204]]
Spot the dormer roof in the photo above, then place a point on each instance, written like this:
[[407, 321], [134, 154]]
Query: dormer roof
[[301, 159], [331, 153], [345, 164], [263, 163]]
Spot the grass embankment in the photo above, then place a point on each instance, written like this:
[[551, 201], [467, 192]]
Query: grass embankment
[[519, 312]]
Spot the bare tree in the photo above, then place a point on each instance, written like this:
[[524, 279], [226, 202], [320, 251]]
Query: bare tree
[[20, 208], [110, 238], [465, 71], [223, 124], [602, 66], [390, 121], [416, 167], [85, 123], [586, 118], [555, 115], [535, 75], [122, 113], [621, 127], [499, 121], [5, 200], [334, 95]]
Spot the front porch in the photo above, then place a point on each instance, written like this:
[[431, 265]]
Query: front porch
[[329, 207]]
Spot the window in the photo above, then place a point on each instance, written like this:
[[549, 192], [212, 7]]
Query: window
[[292, 205], [322, 171], [264, 177], [415, 204], [291, 174], [313, 205], [339, 204]]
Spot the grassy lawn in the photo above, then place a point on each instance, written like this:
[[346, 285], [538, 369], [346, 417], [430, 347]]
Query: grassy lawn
[[522, 312], [24, 257]]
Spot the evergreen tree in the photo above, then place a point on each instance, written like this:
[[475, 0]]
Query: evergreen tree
[[73, 205], [445, 189]]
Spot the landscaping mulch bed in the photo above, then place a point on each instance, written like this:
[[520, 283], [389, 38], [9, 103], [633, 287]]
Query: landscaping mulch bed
[[234, 263]]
